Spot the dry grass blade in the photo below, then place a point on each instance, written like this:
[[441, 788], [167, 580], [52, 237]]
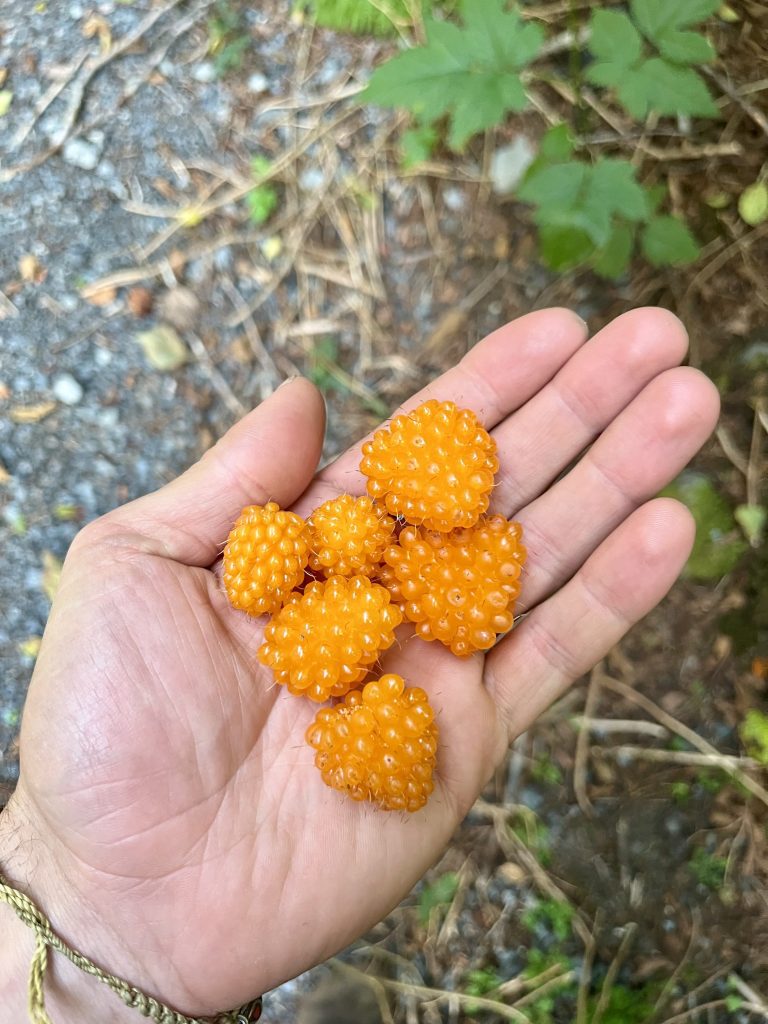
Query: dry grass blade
[[610, 978], [686, 733], [581, 757]]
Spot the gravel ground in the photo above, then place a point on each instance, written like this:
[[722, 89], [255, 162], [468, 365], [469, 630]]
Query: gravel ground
[[106, 425]]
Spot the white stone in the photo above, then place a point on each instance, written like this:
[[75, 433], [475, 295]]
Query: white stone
[[67, 389], [509, 164], [81, 154], [258, 82], [204, 72], [454, 198]]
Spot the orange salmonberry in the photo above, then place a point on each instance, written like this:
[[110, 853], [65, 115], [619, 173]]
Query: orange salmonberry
[[348, 535], [322, 643], [380, 744], [460, 587], [265, 557], [433, 466]]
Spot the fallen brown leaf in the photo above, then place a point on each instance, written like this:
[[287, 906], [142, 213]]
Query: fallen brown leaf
[[99, 296], [51, 574], [32, 413], [31, 270], [140, 301], [96, 25], [5, 476]]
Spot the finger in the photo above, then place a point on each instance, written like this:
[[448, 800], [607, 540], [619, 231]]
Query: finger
[[642, 450], [566, 636], [499, 374], [541, 439], [269, 455]]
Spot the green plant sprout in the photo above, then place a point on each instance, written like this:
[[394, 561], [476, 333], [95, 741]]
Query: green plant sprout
[[590, 211]]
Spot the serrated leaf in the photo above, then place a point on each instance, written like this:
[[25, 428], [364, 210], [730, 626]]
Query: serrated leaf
[[613, 184], [556, 144], [655, 17], [678, 90], [417, 145], [613, 259], [717, 547], [666, 241], [563, 248], [753, 204], [685, 47], [614, 38], [556, 185], [470, 74]]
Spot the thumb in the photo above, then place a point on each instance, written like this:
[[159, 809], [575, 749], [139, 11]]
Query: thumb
[[269, 455]]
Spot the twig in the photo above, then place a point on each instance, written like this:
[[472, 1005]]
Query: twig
[[731, 449], [614, 725], [581, 756], [716, 1004], [749, 993], [585, 978], [687, 734], [612, 973], [727, 762], [515, 847], [755, 462], [719, 261], [738, 98], [556, 982], [45, 101], [369, 979], [440, 995], [216, 378], [669, 984]]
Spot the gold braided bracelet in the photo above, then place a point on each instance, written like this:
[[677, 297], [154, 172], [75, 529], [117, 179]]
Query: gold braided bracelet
[[34, 918]]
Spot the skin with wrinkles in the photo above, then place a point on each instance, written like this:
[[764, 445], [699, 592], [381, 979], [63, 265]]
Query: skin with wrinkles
[[169, 818]]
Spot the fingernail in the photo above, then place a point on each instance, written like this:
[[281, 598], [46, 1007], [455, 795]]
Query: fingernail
[[288, 380]]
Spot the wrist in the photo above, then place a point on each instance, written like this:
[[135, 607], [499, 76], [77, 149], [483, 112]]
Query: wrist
[[70, 994]]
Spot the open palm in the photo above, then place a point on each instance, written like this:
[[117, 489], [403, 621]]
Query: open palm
[[168, 775]]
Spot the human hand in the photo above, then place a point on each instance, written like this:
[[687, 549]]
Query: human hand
[[183, 838]]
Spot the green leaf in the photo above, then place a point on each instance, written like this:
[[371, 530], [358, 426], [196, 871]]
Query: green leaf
[[440, 892], [655, 17], [555, 186], [6, 98], [718, 546], [613, 184], [666, 241], [677, 90], [655, 197], [563, 248], [613, 259], [556, 144], [685, 47], [471, 75], [261, 201], [417, 145], [733, 1002], [754, 735], [613, 38]]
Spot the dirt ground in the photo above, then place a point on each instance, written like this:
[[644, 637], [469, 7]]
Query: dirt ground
[[616, 869]]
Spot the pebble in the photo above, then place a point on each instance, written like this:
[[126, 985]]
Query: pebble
[[454, 199], [67, 389], [311, 178], [81, 154], [509, 164], [258, 82], [204, 72]]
